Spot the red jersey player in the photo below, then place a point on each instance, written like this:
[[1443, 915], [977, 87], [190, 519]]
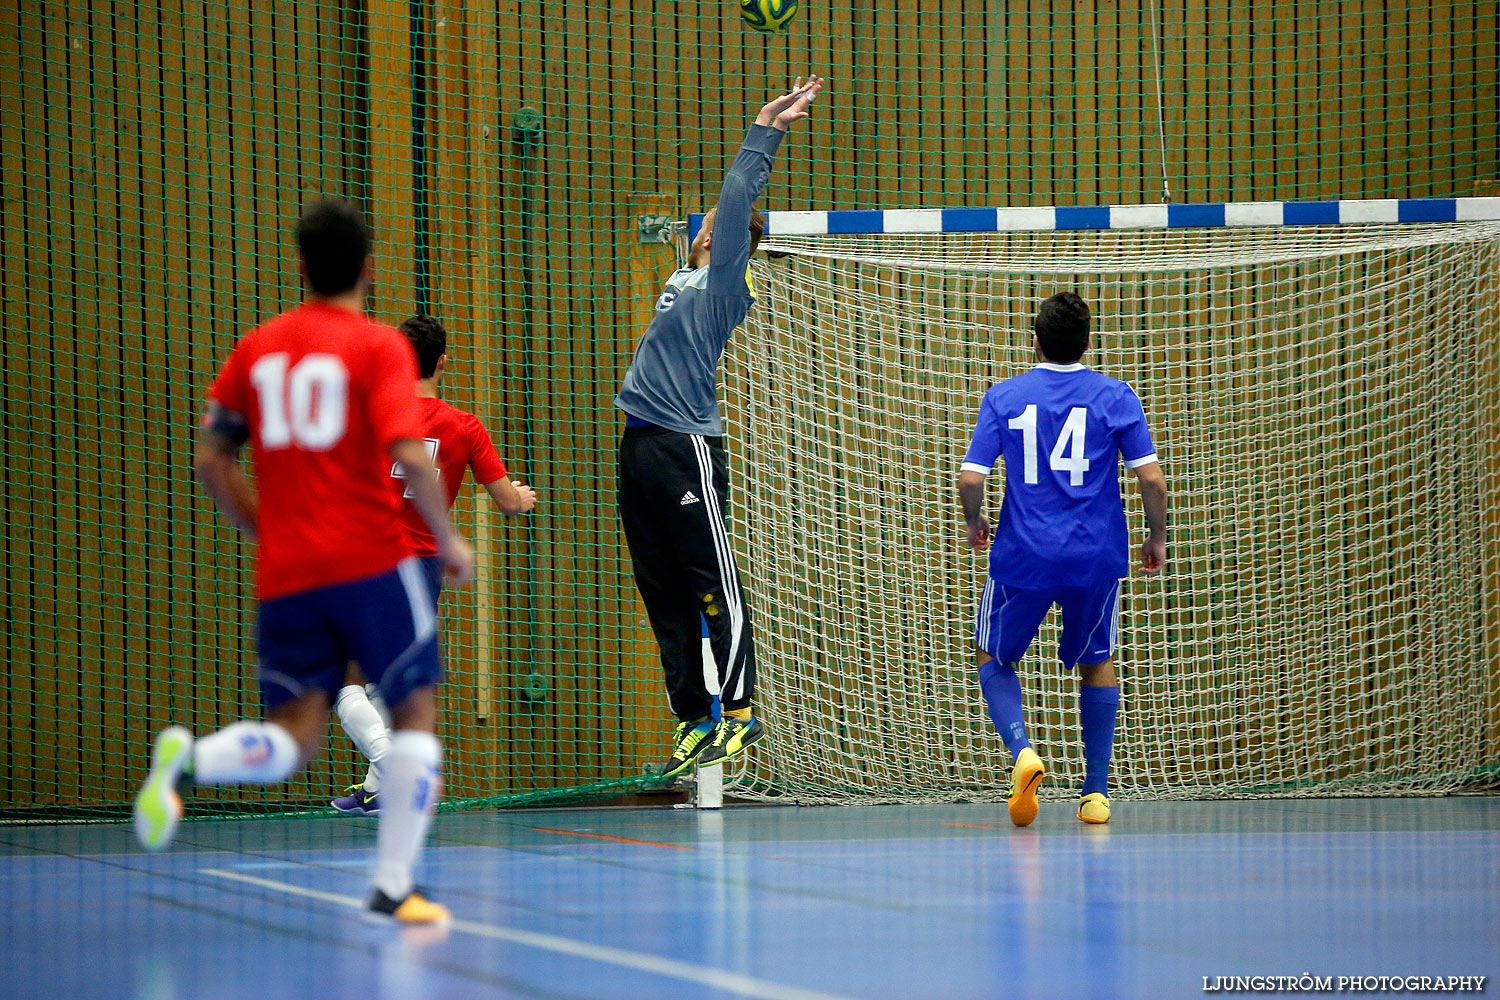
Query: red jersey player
[[328, 399], [457, 442]]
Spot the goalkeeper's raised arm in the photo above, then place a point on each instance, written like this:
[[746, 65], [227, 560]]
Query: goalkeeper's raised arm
[[674, 481], [729, 254]]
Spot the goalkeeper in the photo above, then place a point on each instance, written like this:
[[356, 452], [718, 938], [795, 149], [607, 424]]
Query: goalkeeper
[[673, 486], [1061, 538]]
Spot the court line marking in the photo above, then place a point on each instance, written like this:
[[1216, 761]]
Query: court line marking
[[358, 864], [605, 836], [971, 826], [729, 982]]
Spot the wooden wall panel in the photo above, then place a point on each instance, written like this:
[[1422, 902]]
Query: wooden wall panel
[[61, 653], [156, 221], [24, 203]]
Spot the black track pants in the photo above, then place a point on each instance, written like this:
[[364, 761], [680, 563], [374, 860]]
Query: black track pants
[[673, 493]]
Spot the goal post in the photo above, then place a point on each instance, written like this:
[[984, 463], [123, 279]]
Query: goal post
[[1321, 380]]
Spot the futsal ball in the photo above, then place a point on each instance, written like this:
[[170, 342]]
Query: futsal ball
[[768, 15]]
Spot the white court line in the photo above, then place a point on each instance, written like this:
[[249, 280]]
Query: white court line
[[360, 864], [729, 982]]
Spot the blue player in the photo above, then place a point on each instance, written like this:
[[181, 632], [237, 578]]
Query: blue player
[[1061, 538]]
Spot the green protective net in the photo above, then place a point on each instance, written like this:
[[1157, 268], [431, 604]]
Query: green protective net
[[517, 162]]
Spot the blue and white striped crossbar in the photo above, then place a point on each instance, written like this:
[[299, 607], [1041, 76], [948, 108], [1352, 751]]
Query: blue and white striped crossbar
[[1245, 213]]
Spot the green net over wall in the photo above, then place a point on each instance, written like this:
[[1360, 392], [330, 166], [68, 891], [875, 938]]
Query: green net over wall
[[516, 162]]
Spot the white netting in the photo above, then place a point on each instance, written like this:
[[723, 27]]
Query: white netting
[[1324, 402]]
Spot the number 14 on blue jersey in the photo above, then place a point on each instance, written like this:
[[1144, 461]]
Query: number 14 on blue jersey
[[1062, 430]]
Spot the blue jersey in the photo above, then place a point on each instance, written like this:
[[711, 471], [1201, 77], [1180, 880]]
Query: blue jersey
[[1062, 430]]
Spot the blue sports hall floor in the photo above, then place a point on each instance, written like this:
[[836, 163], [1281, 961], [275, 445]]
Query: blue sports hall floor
[[758, 901]]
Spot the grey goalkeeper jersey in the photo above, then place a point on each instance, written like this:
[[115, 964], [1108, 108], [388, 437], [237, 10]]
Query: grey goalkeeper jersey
[[674, 378]]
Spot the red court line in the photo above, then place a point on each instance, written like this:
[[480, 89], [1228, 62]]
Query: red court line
[[971, 826], [605, 836]]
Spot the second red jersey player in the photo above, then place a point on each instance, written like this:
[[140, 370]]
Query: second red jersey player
[[456, 442]]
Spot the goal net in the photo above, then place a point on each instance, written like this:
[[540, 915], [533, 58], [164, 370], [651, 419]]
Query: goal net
[[1324, 402]]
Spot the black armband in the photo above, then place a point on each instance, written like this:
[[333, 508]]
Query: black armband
[[225, 423]]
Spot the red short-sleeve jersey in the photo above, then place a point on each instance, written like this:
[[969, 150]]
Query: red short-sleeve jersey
[[456, 441], [325, 392]]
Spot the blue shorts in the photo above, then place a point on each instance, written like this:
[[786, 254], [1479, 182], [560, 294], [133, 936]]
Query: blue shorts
[[432, 569], [387, 623], [1009, 617]]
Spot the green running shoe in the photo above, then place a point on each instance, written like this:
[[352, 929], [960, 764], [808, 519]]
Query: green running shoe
[[158, 807], [730, 737], [688, 741]]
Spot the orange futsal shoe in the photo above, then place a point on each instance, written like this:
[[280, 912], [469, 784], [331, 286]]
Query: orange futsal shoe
[[1093, 808], [1025, 778], [414, 908]]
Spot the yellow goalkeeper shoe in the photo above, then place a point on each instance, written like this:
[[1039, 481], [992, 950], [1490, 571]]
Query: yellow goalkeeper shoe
[[1025, 778], [689, 740], [730, 737], [1094, 808]]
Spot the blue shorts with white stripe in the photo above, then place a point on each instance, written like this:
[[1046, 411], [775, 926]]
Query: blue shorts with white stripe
[[1009, 617], [432, 572], [387, 623]]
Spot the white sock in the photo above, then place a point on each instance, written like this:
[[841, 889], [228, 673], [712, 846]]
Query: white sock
[[365, 726], [245, 753], [412, 772], [372, 692]]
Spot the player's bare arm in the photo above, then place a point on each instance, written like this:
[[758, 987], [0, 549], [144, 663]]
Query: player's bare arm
[[427, 496], [216, 464], [784, 111], [1153, 486], [512, 496], [971, 495]]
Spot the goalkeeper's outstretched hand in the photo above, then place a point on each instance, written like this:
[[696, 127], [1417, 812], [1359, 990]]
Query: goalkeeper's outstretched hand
[[791, 107]]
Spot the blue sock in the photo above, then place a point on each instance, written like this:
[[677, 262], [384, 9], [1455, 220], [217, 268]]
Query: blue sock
[[1002, 692], [1097, 708]]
